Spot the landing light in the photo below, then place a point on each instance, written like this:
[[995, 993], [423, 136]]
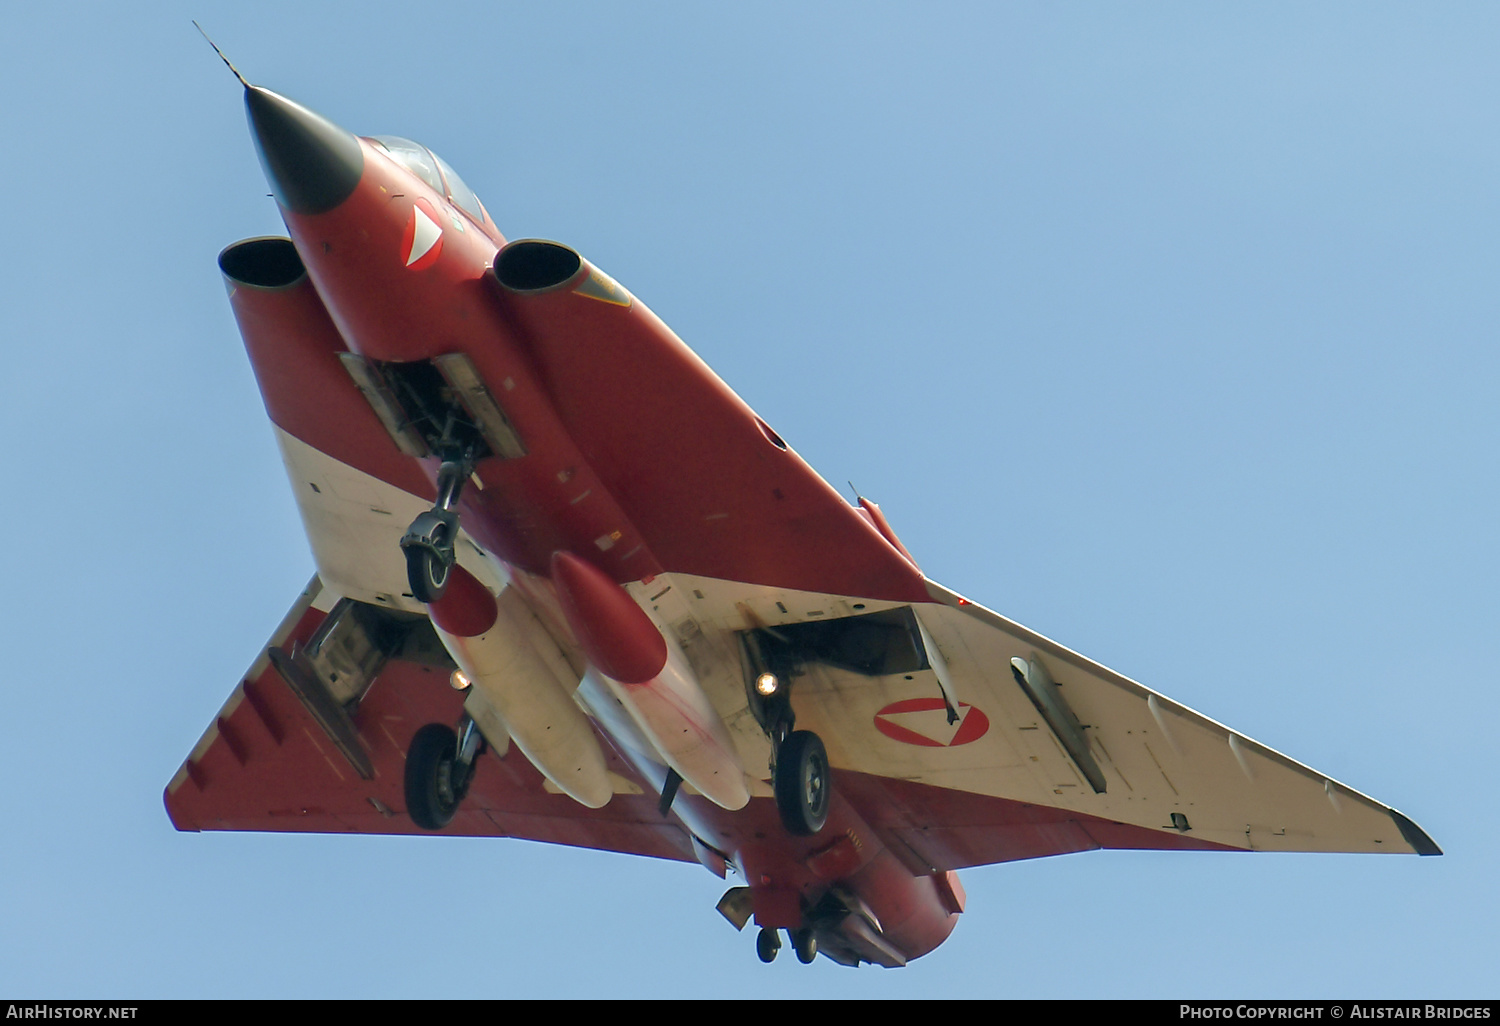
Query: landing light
[[460, 681], [766, 684]]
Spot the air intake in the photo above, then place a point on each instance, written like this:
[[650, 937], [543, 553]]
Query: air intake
[[269, 263], [532, 265]]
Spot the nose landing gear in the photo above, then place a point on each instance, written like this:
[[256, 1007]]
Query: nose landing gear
[[428, 542], [428, 545]]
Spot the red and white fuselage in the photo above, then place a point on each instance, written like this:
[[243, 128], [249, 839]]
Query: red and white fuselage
[[637, 547], [640, 466]]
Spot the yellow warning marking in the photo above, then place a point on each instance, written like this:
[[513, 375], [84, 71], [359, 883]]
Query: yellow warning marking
[[602, 287]]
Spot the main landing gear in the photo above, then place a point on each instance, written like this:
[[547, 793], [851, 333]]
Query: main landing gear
[[439, 767], [767, 944], [802, 784], [804, 792], [428, 542], [804, 943], [799, 762]]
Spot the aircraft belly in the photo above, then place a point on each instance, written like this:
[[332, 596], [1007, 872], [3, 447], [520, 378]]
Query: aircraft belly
[[1156, 758], [683, 728], [647, 674], [651, 588], [1239, 795], [713, 658], [534, 695], [609, 712], [354, 522]]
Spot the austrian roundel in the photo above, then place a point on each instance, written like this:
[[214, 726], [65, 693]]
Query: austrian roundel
[[924, 722], [423, 239]]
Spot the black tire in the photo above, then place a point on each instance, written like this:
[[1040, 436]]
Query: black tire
[[804, 787], [426, 573], [805, 944], [767, 944], [431, 799]]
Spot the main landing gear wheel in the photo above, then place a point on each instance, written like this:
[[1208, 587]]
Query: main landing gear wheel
[[803, 785], [435, 782], [767, 944], [805, 944]]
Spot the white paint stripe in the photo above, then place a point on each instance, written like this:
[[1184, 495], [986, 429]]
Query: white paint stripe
[[930, 723]]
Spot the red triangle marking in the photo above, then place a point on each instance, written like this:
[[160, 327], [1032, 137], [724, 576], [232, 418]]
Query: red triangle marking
[[973, 723]]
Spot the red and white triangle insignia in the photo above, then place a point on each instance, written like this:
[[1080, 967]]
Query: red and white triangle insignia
[[423, 238], [924, 721]]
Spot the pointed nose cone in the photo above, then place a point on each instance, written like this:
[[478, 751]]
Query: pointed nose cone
[[311, 163]]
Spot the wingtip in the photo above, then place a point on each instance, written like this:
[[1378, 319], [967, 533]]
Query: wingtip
[[1415, 835]]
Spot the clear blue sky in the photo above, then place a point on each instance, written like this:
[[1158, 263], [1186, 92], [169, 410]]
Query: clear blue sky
[[1167, 330]]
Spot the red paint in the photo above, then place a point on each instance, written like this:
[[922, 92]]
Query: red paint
[[688, 461], [884, 527], [776, 907], [617, 635], [836, 860], [289, 780], [677, 470], [293, 348], [530, 507], [299, 783], [633, 442], [972, 726], [913, 914], [467, 608], [950, 890], [954, 829]]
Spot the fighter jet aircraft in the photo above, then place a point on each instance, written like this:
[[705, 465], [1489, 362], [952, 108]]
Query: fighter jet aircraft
[[571, 588]]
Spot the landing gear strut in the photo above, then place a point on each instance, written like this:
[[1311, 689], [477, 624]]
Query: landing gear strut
[[802, 784], [799, 763], [439, 767], [428, 542]]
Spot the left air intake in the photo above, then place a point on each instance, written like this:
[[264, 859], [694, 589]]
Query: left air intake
[[270, 263]]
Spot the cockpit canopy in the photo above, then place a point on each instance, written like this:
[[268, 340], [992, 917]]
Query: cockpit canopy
[[433, 170]]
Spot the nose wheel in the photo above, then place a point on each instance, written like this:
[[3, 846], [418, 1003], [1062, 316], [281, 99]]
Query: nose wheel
[[802, 783], [428, 547], [428, 542]]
